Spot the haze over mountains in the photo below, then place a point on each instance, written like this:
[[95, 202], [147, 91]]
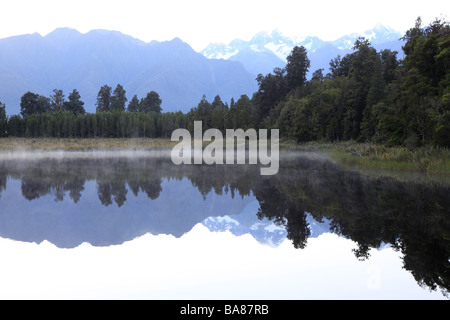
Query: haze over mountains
[[67, 59]]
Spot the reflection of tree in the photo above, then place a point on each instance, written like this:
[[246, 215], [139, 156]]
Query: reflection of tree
[[413, 218], [2, 183], [107, 191], [274, 205], [34, 189], [151, 187], [75, 186]]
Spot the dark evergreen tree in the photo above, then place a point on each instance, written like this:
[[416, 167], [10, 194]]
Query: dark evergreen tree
[[118, 99], [3, 121], [151, 103], [296, 68], [133, 106], [32, 103], [74, 105], [104, 99], [57, 100]]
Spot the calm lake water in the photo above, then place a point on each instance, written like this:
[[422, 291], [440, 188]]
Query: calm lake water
[[133, 225]]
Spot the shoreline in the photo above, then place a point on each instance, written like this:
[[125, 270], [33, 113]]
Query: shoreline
[[428, 160]]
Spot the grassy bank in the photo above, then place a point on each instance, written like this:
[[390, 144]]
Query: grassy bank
[[371, 156], [67, 144]]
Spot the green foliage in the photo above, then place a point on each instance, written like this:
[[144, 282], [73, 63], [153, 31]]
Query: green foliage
[[74, 105], [118, 99], [104, 99], [57, 100], [32, 103], [133, 106], [151, 103], [367, 95], [296, 68], [272, 90], [3, 121]]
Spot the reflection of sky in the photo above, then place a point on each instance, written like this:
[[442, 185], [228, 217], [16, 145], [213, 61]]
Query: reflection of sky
[[204, 265]]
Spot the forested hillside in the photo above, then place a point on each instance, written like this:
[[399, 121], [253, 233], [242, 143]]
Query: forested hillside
[[368, 95]]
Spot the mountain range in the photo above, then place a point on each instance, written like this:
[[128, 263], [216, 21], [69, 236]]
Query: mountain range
[[67, 59], [268, 49]]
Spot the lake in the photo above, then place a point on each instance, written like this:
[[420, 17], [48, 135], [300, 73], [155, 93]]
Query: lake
[[132, 225]]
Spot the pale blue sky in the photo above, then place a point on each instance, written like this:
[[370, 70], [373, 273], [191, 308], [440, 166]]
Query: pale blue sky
[[200, 22]]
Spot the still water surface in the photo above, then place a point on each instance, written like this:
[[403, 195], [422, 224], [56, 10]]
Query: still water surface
[[133, 225]]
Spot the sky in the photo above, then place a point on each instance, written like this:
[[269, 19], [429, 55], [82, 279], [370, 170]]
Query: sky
[[200, 22]]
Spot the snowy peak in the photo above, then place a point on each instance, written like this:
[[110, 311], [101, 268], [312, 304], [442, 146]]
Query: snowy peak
[[377, 35], [269, 49], [266, 41], [219, 51], [281, 45]]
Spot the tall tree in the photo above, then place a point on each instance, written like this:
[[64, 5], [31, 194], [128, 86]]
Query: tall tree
[[104, 99], [296, 68], [133, 106], [272, 89], [3, 120], [57, 100], [33, 103], [218, 113], [151, 103], [74, 105], [118, 99]]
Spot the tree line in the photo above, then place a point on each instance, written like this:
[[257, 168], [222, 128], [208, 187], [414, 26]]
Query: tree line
[[367, 95]]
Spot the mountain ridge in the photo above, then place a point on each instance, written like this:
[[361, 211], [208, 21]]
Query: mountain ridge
[[276, 47], [67, 59]]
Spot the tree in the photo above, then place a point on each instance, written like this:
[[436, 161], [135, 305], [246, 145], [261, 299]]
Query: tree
[[118, 99], [374, 96], [218, 113], [32, 103], [245, 114], [74, 105], [272, 89], [425, 83], [389, 64], [57, 101], [3, 120], [104, 99], [151, 103], [296, 68], [133, 106]]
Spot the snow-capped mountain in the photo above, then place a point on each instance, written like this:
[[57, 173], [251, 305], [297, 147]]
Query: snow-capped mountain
[[268, 50], [264, 231], [378, 35]]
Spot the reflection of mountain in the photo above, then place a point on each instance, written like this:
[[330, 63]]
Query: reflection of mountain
[[105, 202], [263, 230], [177, 209], [108, 201]]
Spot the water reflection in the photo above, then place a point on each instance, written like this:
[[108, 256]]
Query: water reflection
[[108, 201]]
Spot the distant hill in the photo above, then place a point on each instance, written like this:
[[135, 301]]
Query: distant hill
[[268, 50], [67, 59]]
